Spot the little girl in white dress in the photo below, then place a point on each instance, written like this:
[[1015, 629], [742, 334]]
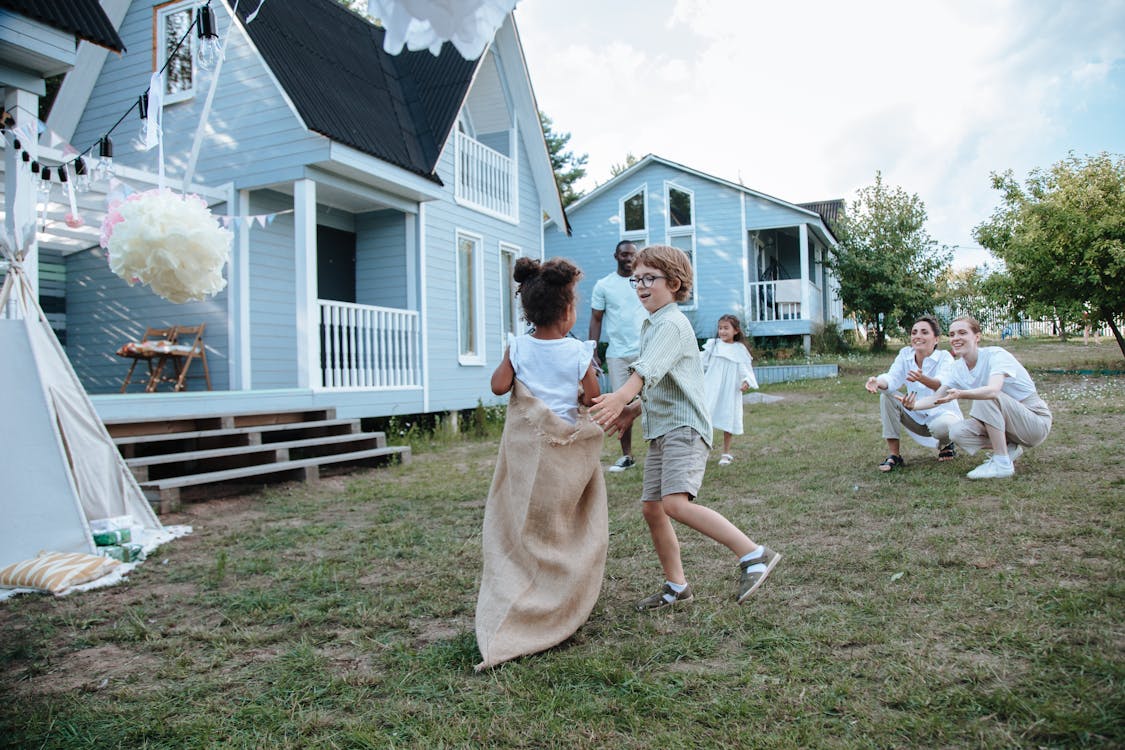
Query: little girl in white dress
[[727, 374]]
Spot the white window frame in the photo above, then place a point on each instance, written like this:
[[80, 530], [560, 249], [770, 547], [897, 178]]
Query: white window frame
[[682, 228], [508, 284], [635, 234], [476, 298], [670, 238], [678, 233], [160, 45]]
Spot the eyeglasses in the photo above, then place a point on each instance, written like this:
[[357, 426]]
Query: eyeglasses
[[644, 282]]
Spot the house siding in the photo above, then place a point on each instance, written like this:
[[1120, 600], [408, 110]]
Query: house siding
[[381, 264], [453, 385], [253, 134], [273, 293], [255, 141], [103, 312], [720, 266]]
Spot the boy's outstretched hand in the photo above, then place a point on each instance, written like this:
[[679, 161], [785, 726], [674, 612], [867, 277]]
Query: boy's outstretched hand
[[613, 413]]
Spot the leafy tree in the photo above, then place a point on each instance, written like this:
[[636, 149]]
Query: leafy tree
[[1062, 238], [568, 167], [886, 262], [965, 291], [616, 169], [982, 292]]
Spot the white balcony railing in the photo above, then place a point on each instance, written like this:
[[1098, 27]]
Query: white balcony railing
[[486, 179], [364, 347], [774, 300]]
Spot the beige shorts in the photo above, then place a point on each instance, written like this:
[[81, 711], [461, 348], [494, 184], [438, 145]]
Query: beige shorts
[[618, 370], [675, 463]]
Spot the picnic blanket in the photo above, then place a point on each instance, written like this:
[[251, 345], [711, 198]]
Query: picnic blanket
[[546, 531]]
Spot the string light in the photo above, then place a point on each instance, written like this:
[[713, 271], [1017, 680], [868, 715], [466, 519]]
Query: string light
[[141, 139], [103, 169], [208, 50], [81, 176]]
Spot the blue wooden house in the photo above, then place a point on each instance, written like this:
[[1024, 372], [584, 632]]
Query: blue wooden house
[[754, 255], [396, 193]]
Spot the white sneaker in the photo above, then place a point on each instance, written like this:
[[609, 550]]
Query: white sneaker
[[725, 459], [991, 470], [622, 464], [1014, 451]]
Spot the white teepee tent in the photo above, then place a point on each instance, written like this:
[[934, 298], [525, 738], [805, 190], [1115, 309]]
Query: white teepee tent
[[59, 468]]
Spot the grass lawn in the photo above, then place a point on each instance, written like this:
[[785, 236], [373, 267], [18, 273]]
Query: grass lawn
[[916, 609]]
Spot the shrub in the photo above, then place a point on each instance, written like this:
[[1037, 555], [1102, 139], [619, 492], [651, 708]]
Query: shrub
[[829, 339]]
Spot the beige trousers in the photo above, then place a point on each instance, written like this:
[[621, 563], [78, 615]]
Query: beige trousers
[[894, 415], [1024, 422]]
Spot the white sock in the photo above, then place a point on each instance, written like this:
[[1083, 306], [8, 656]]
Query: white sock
[[751, 555], [1004, 462], [677, 587]]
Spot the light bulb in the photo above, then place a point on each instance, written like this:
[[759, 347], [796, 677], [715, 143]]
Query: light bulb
[[207, 52], [103, 169], [140, 140]]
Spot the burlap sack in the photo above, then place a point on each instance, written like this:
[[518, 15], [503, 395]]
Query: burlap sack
[[546, 531]]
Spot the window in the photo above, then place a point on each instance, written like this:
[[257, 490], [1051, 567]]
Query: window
[[686, 242], [172, 21], [509, 304], [633, 223], [681, 207], [470, 322], [680, 230]]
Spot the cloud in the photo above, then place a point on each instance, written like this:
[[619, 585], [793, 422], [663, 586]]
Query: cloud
[[806, 101]]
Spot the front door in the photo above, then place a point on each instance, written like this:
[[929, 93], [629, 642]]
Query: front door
[[335, 264]]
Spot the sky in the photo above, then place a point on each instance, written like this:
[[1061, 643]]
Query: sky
[[807, 100]]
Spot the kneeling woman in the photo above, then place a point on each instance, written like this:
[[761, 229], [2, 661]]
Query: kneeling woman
[[922, 368], [1007, 413]]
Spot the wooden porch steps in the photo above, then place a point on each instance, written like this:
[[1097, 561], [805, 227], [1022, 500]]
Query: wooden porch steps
[[134, 446], [201, 456]]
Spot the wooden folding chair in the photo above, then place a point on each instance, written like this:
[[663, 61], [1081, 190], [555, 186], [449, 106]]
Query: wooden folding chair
[[184, 353], [147, 354]]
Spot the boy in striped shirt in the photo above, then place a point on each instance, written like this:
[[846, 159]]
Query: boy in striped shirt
[[668, 378]]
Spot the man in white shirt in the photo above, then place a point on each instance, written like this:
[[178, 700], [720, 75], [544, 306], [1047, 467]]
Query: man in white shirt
[[614, 303]]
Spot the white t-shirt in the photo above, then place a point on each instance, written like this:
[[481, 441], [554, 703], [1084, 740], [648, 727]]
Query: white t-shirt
[[551, 369], [992, 360], [938, 366], [623, 314]]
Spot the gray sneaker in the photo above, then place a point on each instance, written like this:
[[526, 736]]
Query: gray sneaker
[[666, 597], [622, 464], [754, 571]]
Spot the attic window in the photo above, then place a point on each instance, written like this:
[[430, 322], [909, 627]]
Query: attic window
[[679, 207], [633, 214], [171, 22]]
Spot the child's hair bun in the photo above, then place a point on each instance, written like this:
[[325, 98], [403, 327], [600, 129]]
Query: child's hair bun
[[525, 269], [559, 272]]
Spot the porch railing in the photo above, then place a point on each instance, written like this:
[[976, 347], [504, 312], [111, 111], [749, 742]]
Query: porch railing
[[774, 300], [362, 346], [486, 178]]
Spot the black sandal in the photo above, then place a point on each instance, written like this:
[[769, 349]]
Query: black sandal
[[947, 452], [891, 462]]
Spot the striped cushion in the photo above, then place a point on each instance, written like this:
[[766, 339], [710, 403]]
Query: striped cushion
[[56, 571]]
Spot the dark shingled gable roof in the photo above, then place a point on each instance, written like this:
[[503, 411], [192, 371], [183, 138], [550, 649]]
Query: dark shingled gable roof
[[332, 66], [829, 210], [83, 18]]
